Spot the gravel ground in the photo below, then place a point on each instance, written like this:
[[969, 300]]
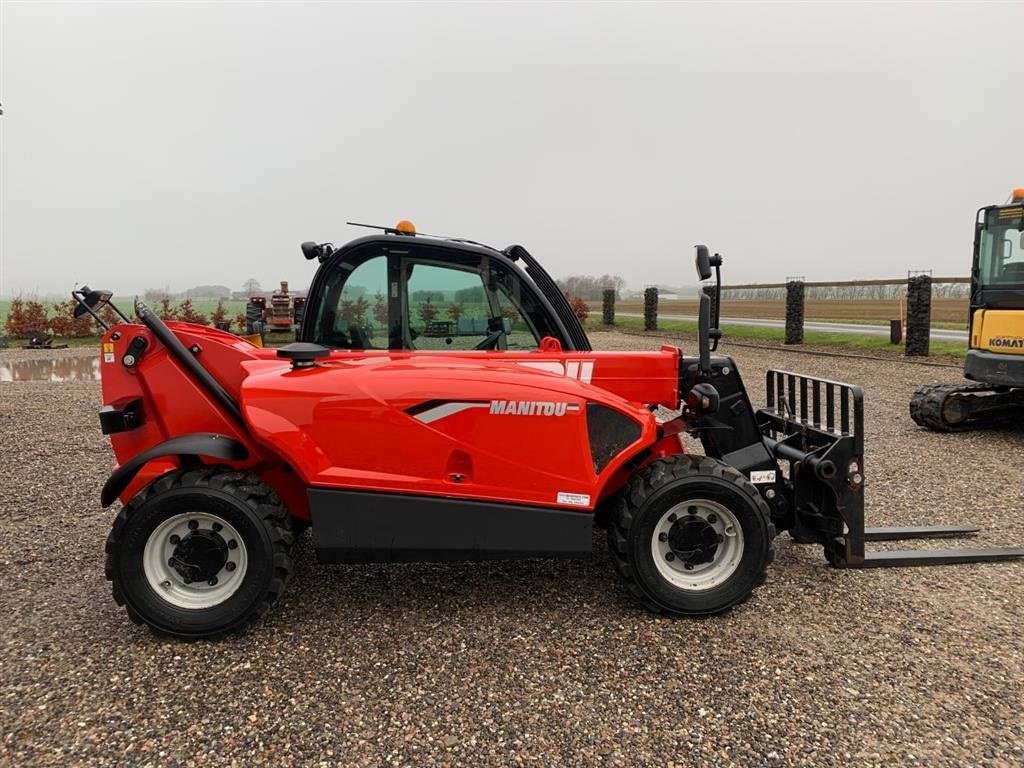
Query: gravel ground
[[525, 663]]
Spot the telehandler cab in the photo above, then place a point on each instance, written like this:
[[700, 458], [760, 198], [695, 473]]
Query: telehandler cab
[[444, 403]]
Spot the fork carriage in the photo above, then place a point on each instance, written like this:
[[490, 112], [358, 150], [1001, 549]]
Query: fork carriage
[[817, 426]]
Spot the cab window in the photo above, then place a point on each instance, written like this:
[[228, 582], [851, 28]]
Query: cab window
[[1001, 253], [355, 314], [448, 308], [518, 308]]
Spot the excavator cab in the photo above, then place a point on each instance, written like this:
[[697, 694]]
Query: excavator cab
[[995, 358]]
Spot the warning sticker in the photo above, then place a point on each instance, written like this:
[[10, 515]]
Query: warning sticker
[[108, 357], [762, 476], [575, 499]]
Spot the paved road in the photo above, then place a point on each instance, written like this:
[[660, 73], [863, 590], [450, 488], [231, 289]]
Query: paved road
[[937, 334]]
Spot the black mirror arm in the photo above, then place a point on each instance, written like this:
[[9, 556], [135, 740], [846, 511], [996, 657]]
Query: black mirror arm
[[120, 314], [704, 333], [716, 332]]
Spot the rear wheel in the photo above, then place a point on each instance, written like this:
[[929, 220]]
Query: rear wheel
[[198, 554], [690, 536]]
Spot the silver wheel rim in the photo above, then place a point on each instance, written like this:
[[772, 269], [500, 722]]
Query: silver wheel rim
[[699, 576], [170, 585]]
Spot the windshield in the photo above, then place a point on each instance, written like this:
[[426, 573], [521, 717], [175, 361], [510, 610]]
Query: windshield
[[1001, 247]]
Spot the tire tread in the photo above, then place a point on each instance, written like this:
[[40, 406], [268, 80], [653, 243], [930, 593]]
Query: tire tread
[[648, 481], [244, 487]]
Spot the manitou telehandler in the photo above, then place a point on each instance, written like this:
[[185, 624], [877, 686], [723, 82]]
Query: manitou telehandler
[[444, 403], [995, 359]]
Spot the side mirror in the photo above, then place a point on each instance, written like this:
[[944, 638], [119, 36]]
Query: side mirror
[[90, 300], [703, 262], [312, 250]]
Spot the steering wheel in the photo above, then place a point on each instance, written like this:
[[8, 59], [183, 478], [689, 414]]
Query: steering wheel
[[491, 342]]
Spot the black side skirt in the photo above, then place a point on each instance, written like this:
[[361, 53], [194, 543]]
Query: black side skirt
[[363, 527]]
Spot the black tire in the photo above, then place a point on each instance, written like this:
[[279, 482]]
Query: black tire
[[241, 500], [654, 491]]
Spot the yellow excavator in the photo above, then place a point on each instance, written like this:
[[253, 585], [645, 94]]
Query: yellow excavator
[[995, 359]]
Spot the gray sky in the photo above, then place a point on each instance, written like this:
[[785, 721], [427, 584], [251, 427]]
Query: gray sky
[[146, 145]]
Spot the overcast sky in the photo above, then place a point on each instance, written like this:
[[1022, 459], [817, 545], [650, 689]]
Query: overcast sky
[[149, 145]]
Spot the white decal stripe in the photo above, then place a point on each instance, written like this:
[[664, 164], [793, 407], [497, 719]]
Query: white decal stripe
[[446, 409], [548, 366]]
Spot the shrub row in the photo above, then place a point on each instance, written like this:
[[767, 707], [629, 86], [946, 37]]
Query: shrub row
[[26, 316]]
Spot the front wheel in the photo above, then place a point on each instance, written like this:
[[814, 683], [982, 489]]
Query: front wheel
[[201, 553], [690, 536]]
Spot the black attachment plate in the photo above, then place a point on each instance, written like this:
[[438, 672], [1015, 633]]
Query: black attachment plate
[[818, 426]]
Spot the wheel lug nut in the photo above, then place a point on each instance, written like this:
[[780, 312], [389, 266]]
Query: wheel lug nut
[[193, 524], [662, 537], [175, 538], [217, 527], [232, 544], [672, 518], [670, 557], [687, 566], [187, 580], [171, 562], [212, 582], [229, 566], [712, 518]]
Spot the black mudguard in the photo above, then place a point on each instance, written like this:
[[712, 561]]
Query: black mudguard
[[194, 444]]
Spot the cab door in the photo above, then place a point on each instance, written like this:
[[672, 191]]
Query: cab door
[[467, 305]]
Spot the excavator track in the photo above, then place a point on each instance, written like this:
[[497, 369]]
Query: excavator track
[[961, 407]]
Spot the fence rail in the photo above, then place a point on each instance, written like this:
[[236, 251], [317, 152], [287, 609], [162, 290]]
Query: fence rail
[[842, 283], [906, 305]]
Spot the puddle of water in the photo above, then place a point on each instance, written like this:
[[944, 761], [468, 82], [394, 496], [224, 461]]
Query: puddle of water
[[54, 369]]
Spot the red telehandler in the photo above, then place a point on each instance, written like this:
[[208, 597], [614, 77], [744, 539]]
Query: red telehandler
[[444, 403]]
